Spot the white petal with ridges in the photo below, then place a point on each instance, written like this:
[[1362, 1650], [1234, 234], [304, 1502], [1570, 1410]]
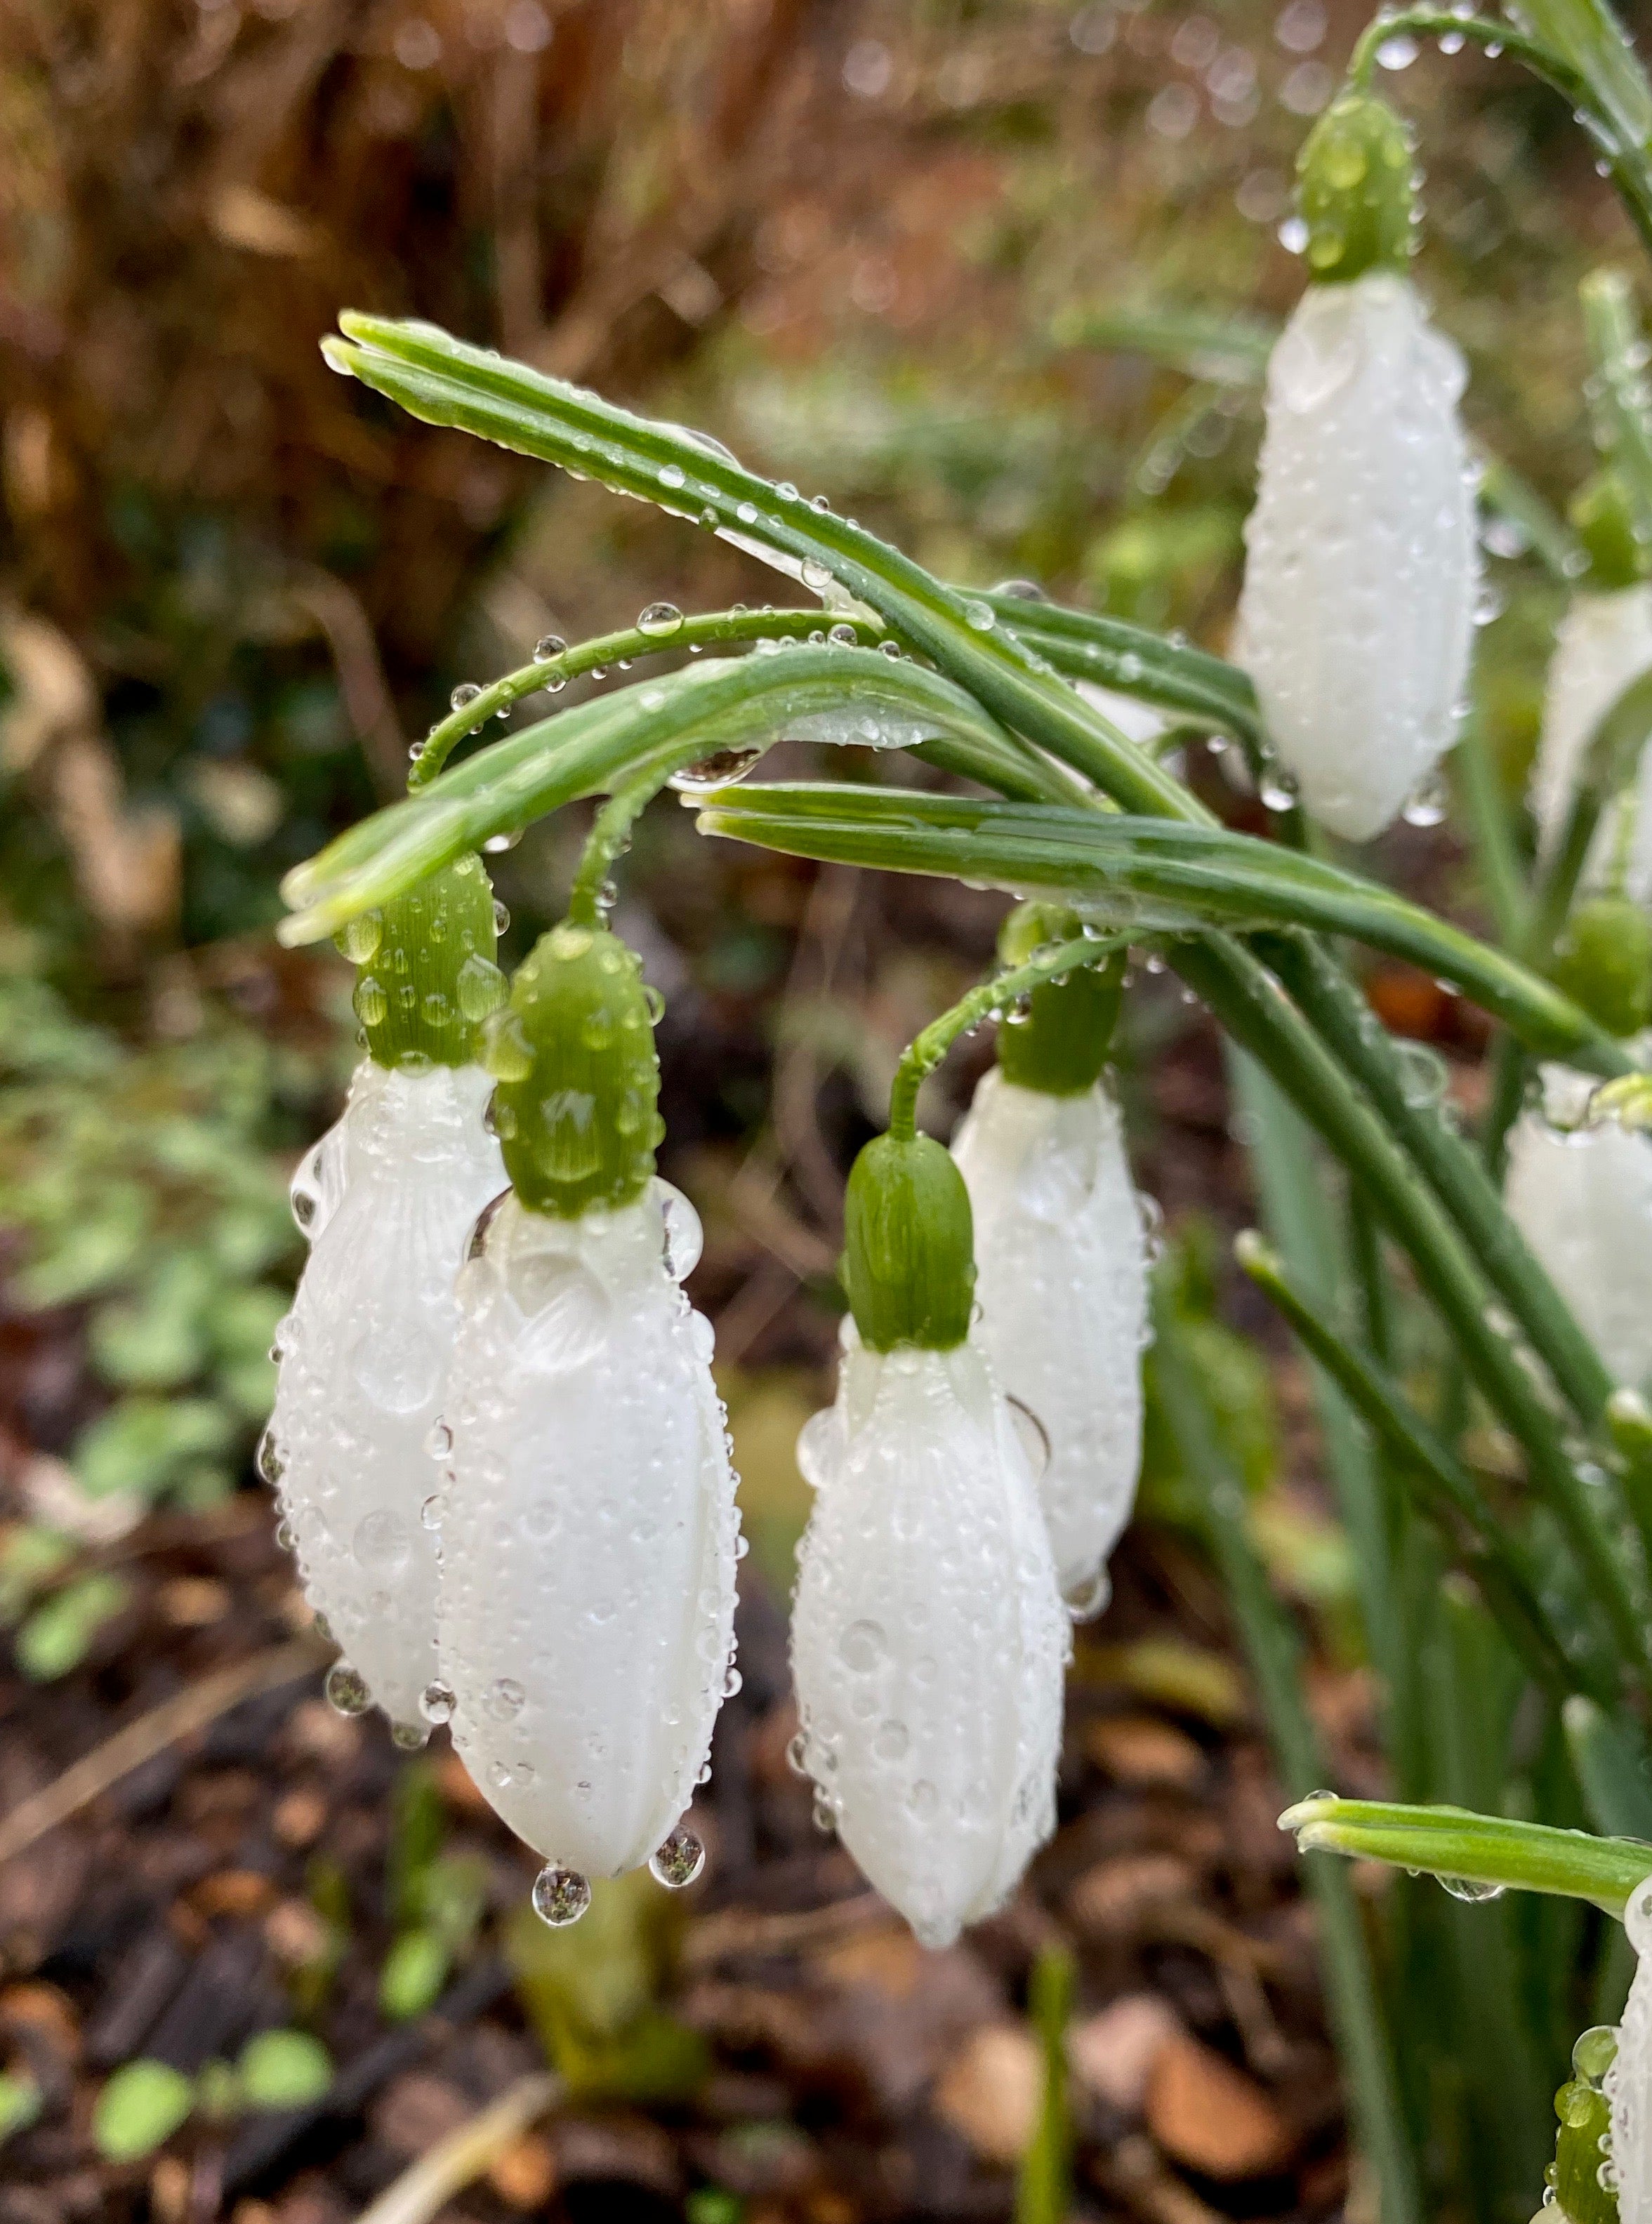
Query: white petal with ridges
[[1061, 1263], [1582, 1198], [1602, 643], [1362, 566], [589, 1533], [1628, 2080], [388, 1197], [928, 1637]]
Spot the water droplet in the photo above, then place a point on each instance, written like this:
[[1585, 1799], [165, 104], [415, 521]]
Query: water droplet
[[861, 1646], [1397, 53], [655, 1002], [1032, 1435], [381, 1542], [1426, 804], [1021, 591], [1471, 1889], [660, 619], [359, 938], [436, 1702], [464, 694], [842, 636], [1278, 789], [679, 1861], [370, 1002], [346, 1689], [286, 1536], [891, 1741], [785, 490], [684, 1238], [505, 1699], [1423, 1074], [269, 1458], [1090, 1600], [1594, 2052], [923, 1800], [797, 1754], [560, 1896], [815, 576], [978, 616], [721, 769], [409, 1737], [670, 475]]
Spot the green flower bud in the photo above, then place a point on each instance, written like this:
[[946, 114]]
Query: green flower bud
[[1603, 962], [576, 1110], [909, 1259], [1354, 189], [1061, 1045], [1604, 523], [425, 975]]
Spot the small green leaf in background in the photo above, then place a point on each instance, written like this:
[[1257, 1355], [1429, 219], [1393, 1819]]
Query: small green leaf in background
[[144, 1444], [284, 2069], [19, 2104], [139, 2109], [418, 1826], [59, 1634], [1044, 2187], [590, 1991], [712, 2204], [414, 1971], [30, 1556]]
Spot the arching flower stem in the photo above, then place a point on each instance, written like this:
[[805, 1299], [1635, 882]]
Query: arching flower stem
[[930, 1045], [608, 839]]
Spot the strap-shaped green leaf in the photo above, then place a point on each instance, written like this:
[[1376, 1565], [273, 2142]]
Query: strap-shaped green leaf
[[1151, 874]]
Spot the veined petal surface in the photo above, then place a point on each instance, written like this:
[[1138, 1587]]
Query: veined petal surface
[[1604, 641], [589, 1532], [1582, 1198], [1362, 567], [1628, 2080], [388, 1197], [928, 1637], [1061, 1277]]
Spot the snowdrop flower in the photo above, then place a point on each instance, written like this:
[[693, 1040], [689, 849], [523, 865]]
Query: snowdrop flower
[[588, 1526], [1604, 641], [1362, 567], [388, 1199], [1627, 2083], [1062, 1253], [1582, 1195], [928, 1636]]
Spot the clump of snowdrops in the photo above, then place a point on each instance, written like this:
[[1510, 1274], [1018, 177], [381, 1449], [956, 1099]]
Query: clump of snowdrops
[[499, 1453]]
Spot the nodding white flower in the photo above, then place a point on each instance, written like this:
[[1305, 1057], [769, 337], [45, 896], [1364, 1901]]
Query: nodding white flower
[[1604, 641], [1061, 1256], [928, 1637], [1582, 1197], [588, 1529], [1362, 567], [1628, 2082], [388, 1198], [588, 1526]]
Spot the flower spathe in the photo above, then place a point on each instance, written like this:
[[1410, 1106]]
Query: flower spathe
[[588, 1529], [1061, 1260], [1582, 1195], [388, 1199], [1362, 566], [928, 1637], [1628, 2082], [1604, 641]]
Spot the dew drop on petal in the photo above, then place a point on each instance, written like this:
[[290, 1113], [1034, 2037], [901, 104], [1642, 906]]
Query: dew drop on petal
[[346, 1689], [679, 1861], [409, 1737], [436, 1702], [505, 1699], [861, 1646], [560, 1896]]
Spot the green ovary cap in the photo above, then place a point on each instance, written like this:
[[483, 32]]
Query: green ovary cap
[[1354, 191], [1604, 523], [426, 979], [909, 1254], [1603, 962], [1061, 1044], [576, 1110]]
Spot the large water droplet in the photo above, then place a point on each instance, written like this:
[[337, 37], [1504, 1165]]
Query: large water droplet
[[464, 694], [481, 987], [679, 1861], [270, 1460], [409, 1737], [861, 1646], [359, 938], [547, 646], [436, 1702], [346, 1689], [371, 1001], [721, 769], [1471, 1889], [684, 1237], [1426, 804], [659, 620], [567, 1313], [560, 1896]]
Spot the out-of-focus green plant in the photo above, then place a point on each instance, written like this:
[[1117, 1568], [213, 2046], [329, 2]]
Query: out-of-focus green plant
[[436, 1900], [145, 2101]]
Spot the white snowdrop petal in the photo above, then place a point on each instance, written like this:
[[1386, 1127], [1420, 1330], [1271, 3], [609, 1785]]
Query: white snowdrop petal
[[1628, 2080], [1137, 720], [589, 1537], [1061, 1276], [1361, 564], [1604, 641], [1582, 1198], [394, 1190], [928, 1638]]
